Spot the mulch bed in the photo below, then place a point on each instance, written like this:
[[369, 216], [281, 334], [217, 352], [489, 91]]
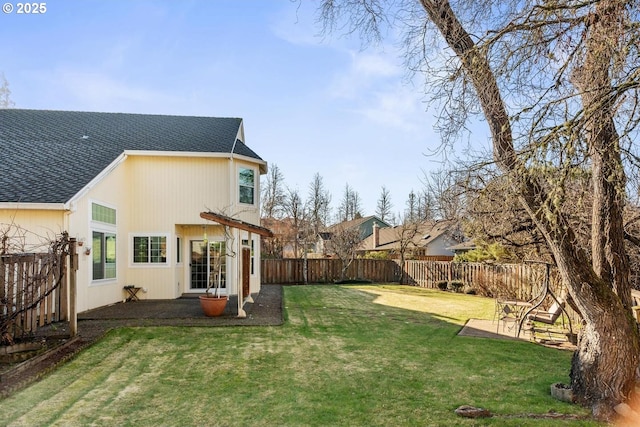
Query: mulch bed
[[266, 310]]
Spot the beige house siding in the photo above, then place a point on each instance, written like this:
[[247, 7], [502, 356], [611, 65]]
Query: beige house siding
[[174, 190], [440, 246], [41, 224], [106, 191], [152, 195]]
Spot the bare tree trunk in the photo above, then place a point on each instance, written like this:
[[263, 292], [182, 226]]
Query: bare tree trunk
[[602, 381], [603, 368], [594, 82], [305, 264]]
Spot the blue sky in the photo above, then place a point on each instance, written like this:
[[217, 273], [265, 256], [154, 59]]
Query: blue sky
[[309, 104]]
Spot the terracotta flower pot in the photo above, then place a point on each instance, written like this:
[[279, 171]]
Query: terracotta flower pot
[[212, 305]]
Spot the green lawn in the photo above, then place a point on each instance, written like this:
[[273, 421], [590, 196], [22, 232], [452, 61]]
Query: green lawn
[[346, 356]]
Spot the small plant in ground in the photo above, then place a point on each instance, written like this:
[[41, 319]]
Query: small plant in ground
[[455, 286], [469, 290], [442, 285], [376, 255], [491, 252]]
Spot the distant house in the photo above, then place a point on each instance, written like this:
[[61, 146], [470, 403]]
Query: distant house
[[428, 238], [285, 242], [364, 224], [131, 188], [463, 247]]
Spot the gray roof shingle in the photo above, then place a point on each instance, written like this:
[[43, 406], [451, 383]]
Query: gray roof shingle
[[48, 156]]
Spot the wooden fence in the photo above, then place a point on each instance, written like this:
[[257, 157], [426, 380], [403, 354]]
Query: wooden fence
[[291, 270], [34, 291], [522, 281]]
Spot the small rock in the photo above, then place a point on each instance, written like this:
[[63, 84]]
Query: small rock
[[468, 411], [562, 392]]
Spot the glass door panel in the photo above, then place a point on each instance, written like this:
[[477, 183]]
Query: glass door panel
[[199, 264], [208, 265]]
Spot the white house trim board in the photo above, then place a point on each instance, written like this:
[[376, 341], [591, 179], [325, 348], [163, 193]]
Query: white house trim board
[[261, 163], [95, 181], [153, 153], [34, 206], [240, 134]]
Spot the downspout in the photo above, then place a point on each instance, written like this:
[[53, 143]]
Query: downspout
[[241, 313]]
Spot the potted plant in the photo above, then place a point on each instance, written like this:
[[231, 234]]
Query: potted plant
[[212, 303]]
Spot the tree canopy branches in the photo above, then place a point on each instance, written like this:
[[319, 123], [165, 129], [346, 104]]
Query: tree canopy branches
[[557, 82]]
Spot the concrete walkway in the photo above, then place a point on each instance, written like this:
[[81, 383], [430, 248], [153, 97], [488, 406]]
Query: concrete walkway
[[480, 328], [492, 329]]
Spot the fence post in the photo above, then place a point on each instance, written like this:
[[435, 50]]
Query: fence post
[[73, 264]]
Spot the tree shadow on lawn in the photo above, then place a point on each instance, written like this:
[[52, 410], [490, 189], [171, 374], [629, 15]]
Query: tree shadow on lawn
[[505, 375]]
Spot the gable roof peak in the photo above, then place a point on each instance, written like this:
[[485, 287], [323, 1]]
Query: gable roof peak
[[55, 153]]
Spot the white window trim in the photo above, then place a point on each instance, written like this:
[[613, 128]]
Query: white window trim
[[256, 179], [101, 227], [106, 205], [252, 245], [165, 264]]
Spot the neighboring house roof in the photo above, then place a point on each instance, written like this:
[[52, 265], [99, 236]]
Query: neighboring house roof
[[278, 226], [428, 232], [467, 245], [325, 235], [388, 238], [282, 228], [49, 156], [435, 230], [358, 222]]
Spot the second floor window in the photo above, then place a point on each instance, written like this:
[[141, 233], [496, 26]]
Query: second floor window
[[246, 180]]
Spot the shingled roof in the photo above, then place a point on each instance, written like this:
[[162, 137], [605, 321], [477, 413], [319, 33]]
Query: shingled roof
[[49, 156], [427, 232]]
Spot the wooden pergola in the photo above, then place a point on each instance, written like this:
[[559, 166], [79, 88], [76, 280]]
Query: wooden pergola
[[236, 223], [240, 225]]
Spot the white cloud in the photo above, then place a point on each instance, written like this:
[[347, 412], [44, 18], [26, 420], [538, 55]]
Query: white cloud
[[366, 70], [99, 91], [396, 108], [374, 88]]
